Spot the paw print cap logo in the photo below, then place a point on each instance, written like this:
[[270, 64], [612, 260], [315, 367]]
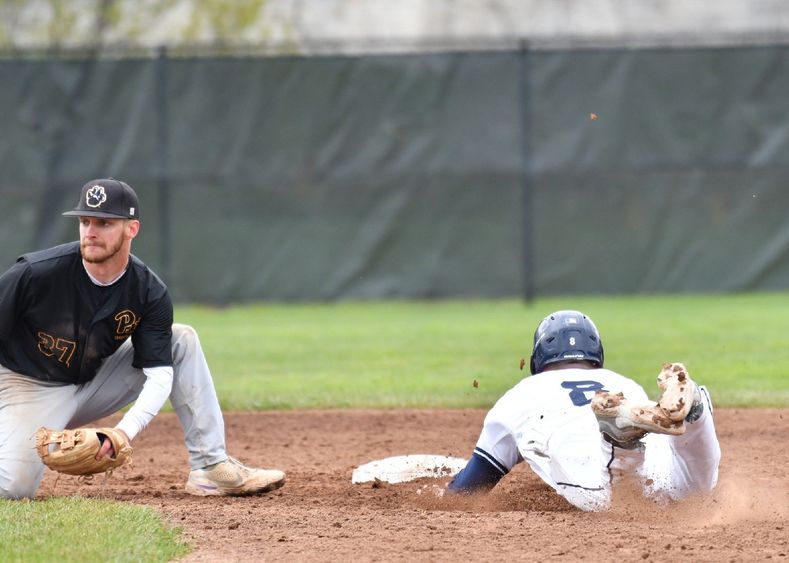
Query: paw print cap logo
[[108, 198], [95, 196]]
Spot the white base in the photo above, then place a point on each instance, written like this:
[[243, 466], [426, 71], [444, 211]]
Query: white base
[[403, 468]]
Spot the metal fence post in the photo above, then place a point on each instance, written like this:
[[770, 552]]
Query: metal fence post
[[162, 165], [527, 185]]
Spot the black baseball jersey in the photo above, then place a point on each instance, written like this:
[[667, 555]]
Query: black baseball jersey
[[57, 325]]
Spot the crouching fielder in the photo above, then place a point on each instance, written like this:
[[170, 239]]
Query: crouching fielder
[[582, 428], [86, 328]]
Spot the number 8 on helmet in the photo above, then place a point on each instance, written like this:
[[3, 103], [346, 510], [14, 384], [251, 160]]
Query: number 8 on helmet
[[566, 335]]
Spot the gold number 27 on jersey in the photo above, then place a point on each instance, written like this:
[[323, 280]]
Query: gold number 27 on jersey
[[50, 346]]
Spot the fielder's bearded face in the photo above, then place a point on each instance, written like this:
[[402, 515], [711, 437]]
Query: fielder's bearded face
[[102, 239]]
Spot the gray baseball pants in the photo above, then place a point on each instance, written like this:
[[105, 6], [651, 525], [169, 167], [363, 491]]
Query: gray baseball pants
[[26, 404]]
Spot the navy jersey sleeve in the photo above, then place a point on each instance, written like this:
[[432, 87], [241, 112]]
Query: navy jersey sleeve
[[479, 475], [13, 284], [153, 338]]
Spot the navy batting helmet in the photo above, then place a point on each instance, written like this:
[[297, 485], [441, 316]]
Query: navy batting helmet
[[566, 335]]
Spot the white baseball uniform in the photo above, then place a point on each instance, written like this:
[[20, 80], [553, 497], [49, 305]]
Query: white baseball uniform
[[546, 420]]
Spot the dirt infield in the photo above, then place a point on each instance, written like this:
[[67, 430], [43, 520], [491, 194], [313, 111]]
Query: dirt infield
[[320, 516]]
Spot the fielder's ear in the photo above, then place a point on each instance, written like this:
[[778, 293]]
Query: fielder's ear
[[132, 228]]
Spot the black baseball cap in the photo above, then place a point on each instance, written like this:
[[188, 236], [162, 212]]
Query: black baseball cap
[[108, 198]]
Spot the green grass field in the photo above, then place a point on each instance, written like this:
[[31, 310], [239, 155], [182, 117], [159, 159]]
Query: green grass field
[[82, 530], [428, 354], [411, 354]]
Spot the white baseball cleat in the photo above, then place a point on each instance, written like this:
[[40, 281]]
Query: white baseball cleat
[[623, 422], [626, 423], [678, 391], [232, 478]]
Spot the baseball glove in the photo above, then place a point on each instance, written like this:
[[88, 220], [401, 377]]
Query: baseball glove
[[75, 450]]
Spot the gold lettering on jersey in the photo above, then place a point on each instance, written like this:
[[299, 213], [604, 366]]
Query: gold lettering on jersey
[[51, 346], [127, 324]]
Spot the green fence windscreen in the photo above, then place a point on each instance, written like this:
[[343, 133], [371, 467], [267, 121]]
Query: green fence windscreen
[[472, 174]]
